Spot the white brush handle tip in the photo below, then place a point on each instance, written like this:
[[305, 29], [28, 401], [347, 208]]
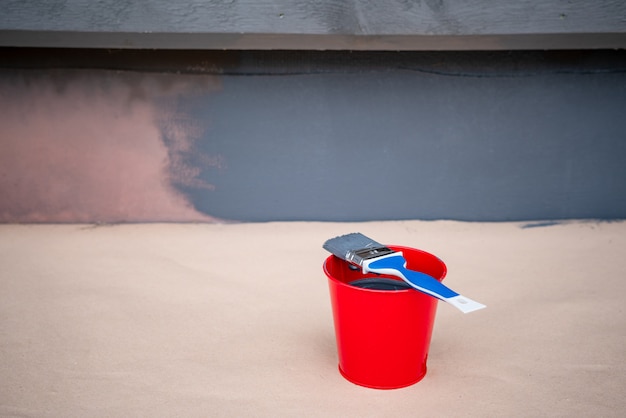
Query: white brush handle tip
[[464, 304]]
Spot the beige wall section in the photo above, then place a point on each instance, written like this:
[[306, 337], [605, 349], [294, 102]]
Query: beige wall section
[[89, 148]]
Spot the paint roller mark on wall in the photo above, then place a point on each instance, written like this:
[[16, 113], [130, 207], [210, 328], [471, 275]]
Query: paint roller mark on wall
[[99, 146]]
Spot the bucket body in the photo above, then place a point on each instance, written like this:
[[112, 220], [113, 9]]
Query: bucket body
[[382, 336]]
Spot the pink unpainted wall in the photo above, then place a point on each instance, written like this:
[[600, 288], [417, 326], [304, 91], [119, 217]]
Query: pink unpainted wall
[[88, 146]]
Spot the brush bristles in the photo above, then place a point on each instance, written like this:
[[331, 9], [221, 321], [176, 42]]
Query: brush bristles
[[355, 247]]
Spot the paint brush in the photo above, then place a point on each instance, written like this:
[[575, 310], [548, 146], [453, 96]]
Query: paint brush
[[374, 257]]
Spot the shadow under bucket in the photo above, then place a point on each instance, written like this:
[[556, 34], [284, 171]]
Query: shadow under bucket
[[383, 327]]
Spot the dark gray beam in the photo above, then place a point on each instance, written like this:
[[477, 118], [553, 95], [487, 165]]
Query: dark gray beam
[[319, 25]]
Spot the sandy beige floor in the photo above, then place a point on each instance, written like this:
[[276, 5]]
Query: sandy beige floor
[[163, 320]]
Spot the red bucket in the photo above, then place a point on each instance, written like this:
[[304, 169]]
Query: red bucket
[[383, 336]]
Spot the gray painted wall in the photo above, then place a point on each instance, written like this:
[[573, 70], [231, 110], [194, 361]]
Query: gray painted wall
[[348, 136], [419, 140]]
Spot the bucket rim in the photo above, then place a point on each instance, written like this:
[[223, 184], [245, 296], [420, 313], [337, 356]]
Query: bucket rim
[[393, 247]]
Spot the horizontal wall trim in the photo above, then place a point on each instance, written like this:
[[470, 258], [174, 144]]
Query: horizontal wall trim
[[294, 62], [320, 25], [221, 41]]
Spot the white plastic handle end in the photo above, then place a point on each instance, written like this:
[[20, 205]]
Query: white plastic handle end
[[464, 304]]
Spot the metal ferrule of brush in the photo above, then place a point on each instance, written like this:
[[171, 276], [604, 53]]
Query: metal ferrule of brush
[[358, 256]]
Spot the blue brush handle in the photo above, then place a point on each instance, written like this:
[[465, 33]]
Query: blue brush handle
[[395, 265]]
